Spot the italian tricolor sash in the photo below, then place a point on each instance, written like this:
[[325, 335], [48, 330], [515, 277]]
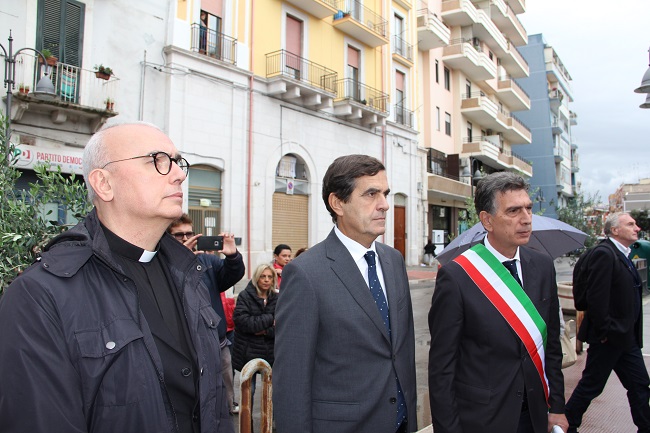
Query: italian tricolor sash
[[507, 296]]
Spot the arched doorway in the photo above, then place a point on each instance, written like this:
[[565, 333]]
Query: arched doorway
[[399, 229], [291, 203]]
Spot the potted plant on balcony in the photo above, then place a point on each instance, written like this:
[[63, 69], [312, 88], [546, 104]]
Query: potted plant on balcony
[[49, 58], [109, 104], [103, 72], [23, 88]]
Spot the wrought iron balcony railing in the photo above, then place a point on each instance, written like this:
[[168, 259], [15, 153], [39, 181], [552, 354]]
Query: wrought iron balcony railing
[[286, 64], [403, 115], [214, 44], [348, 88]]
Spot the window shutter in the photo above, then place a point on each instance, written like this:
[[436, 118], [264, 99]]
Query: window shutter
[[61, 29], [74, 15]]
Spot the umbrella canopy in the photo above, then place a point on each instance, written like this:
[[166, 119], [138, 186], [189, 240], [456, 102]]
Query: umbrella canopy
[[549, 235]]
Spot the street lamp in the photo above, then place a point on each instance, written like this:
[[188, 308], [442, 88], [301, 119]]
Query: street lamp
[[645, 87], [475, 177], [44, 88]]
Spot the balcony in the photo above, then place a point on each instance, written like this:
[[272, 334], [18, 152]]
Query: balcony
[[444, 187], [357, 102], [514, 62], [557, 154], [432, 32], [556, 126], [508, 22], [518, 163], [318, 8], [491, 152], [556, 73], [402, 51], [574, 118], [555, 98], [459, 13], [517, 132], [82, 98], [488, 32], [518, 6], [299, 80], [362, 24], [512, 94], [403, 116], [478, 108], [213, 44], [471, 59]]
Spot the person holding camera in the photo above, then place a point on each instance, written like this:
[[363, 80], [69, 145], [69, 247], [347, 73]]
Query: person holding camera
[[220, 274]]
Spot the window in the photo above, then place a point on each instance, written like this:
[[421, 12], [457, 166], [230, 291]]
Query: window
[[447, 79], [352, 74], [205, 189], [61, 25], [469, 132], [400, 114], [400, 47], [437, 66], [468, 88], [438, 118], [448, 124], [293, 46], [210, 35]]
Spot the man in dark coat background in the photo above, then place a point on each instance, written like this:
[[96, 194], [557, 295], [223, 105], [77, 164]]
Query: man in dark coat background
[[613, 326]]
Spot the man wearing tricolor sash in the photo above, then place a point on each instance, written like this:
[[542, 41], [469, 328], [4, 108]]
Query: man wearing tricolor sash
[[495, 359]]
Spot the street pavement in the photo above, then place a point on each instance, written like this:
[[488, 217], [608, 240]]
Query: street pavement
[[608, 413]]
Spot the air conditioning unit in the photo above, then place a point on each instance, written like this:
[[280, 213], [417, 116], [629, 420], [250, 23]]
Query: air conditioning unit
[[464, 162]]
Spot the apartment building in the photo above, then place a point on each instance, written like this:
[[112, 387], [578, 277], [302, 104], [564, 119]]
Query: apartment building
[[260, 97], [554, 150], [467, 70]]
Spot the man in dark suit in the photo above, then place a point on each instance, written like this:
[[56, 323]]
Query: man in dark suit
[[345, 344], [613, 326], [489, 369]]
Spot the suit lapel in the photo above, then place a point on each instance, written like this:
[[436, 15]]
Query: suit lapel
[[346, 270]]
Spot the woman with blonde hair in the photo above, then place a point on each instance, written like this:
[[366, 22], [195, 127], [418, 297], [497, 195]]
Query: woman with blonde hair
[[254, 319]]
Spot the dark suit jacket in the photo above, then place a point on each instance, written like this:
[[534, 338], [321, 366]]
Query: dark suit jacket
[[478, 367], [334, 365], [613, 300]]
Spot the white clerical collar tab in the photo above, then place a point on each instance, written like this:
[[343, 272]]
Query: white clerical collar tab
[[147, 256]]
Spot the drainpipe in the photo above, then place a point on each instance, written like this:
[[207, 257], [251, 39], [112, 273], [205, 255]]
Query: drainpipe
[[251, 81]]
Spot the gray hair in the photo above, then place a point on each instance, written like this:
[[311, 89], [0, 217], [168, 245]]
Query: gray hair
[[611, 222], [485, 198], [96, 152]]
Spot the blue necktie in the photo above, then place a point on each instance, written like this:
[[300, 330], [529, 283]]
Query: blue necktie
[[382, 306], [511, 265]]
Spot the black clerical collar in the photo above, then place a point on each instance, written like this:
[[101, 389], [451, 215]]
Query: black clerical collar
[[126, 249]]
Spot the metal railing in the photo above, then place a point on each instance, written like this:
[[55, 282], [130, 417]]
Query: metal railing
[[362, 15], [403, 115], [348, 88], [286, 64], [71, 83], [402, 48], [513, 84], [516, 121], [213, 44], [437, 164]]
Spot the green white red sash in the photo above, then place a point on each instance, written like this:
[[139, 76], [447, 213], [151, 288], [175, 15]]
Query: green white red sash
[[507, 296]]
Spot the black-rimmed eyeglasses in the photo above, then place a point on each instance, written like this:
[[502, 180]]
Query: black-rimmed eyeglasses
[[161, 160], [182, 235]]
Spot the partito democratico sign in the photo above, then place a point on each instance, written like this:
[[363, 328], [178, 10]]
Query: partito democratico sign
[[68, 159]]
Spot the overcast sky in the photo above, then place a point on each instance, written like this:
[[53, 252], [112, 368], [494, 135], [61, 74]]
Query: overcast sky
[[604, 45]]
